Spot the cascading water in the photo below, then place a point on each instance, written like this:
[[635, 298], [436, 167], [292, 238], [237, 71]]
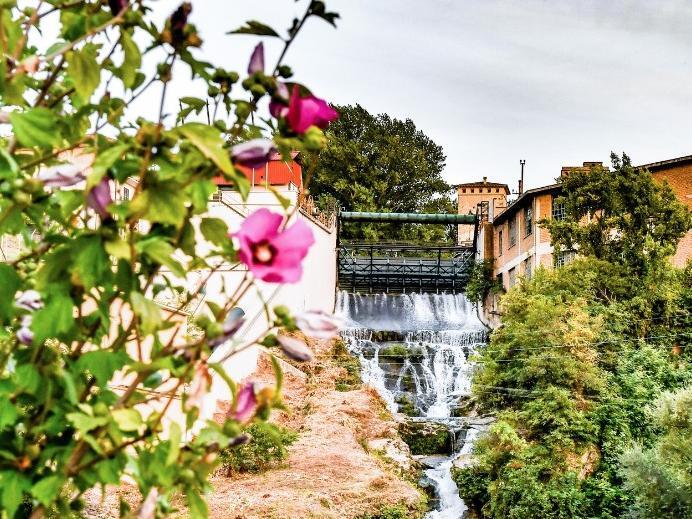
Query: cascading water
[[414, 349]]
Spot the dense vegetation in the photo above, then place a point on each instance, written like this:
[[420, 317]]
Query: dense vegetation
[[378, 163], [582, 356], [266, 447]]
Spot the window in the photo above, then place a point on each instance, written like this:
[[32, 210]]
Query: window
[[216, 196], [126, 193], [499, 243], [558, 210], [512, 276], [500, 281], [497, 189], [528, 221], [527, 267], [512, 232], [472, 190], [463, 190], [564, 257]]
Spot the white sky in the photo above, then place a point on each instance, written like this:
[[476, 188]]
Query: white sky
[[492, 81]]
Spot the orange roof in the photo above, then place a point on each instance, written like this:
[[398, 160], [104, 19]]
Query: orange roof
[[277, 172]]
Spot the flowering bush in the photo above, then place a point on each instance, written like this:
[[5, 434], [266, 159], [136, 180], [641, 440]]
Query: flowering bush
[[77, 305]]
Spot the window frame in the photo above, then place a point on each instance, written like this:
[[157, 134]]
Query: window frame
[[512, 231], [557, 210], [499, 242], [528, 221]]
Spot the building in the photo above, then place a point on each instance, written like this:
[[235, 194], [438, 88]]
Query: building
[[470, 195], [678, 174], [519, 243], [511, 237]]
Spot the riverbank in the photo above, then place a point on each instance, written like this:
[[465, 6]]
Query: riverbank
[[348, 460]]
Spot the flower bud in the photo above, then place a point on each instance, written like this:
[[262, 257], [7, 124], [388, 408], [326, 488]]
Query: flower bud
[[295, 348]]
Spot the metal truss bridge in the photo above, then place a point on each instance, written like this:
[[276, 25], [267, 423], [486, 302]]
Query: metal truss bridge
[[376, 267]]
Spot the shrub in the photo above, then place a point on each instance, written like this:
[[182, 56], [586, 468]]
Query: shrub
[[266, 449]]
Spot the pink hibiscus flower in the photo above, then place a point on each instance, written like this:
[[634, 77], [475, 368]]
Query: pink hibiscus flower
[[273, 255], [304, 112]]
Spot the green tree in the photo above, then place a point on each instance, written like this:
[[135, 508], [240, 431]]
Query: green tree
[[379, 163], [569, 375], [620, 215], [661, 477]]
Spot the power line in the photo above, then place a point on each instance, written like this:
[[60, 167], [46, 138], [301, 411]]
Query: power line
[[510, 349], [532, 393]]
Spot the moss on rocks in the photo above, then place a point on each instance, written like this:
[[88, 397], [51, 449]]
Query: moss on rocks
[[407, 406], [342, 357], [426, 438]]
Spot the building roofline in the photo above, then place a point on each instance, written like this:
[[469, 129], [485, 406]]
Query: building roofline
[[481, 183], [529, 193], [663, 163]]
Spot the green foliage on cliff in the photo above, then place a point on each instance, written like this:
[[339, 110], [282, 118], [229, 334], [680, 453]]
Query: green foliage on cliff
[[582, 353], [660, 477], [482, 282], [379, 163], [267, 447]]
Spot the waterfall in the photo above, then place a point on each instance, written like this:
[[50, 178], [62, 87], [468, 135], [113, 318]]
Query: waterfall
[[416, 349]]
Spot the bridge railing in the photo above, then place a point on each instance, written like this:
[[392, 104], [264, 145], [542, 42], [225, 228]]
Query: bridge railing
[[402, 267]]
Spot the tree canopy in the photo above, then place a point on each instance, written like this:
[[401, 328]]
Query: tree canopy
[[384, 164], [620, 215]]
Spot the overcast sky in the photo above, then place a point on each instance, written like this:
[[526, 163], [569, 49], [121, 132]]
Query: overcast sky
[[492, 81]]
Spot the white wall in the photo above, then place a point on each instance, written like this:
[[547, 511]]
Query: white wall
[[315, 291]]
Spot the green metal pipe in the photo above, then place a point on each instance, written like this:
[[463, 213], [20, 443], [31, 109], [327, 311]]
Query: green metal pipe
[[407, 217]]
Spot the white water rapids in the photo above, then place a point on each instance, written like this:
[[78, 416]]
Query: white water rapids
[[417, 347]]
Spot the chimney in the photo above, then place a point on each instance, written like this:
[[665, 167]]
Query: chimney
[[485, 180], [521, 180]]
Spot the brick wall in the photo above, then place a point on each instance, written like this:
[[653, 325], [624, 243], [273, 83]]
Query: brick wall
[[679, 177]]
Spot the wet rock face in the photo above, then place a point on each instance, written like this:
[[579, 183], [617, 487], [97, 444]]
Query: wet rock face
[[426, 438]]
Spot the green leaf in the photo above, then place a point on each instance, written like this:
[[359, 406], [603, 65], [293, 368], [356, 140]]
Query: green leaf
[[278, 373], [8, 166], [70, 389], [215, 230], [199, 192], [85, 423], [84, 70], [9, 284], [27, 378], [102, 364], [194, 102], [160, 251], [255, 27], [108, 471], [208, 140], [174, 437], [128, 420], [161, 203], [285, 202], [8, 413], [91, 262], [55, 319], [13, 486], [47, 489], [226, 378], [197, 506], [148, 312], [104, 160], [118, 248], [132, 59], [36, 127]]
